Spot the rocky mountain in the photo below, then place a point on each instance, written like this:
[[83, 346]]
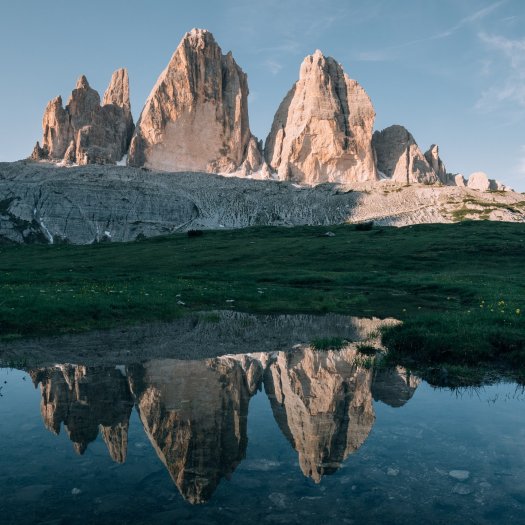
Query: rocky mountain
[[84, 132], [323, 128], [196, 120], [196, 116]]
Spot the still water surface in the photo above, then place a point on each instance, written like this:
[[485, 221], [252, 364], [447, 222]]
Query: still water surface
[[298, 436]]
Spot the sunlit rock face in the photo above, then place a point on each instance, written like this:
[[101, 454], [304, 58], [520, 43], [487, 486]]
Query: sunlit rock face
[[322, 130], [196, 117], [86, 401], [86, 132], [399, 158], [323, 404], [195, 414]]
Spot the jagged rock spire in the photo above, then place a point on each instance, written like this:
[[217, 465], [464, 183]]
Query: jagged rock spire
[[85, 132], [322, 130], [196, 116]]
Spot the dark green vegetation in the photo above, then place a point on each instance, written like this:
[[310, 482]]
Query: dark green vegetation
[[459, 289]]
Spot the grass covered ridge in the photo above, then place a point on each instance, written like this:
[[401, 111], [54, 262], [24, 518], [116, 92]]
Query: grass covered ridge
[[458, 288]]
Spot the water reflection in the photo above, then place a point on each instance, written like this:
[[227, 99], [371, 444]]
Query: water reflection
[[195, 412]]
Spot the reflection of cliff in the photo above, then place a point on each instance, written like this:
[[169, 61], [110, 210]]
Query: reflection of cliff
[[323, 405], [86, 400], [195, 414], [394, 386]]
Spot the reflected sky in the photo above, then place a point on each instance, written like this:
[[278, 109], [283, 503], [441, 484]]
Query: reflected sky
[[273, 438]]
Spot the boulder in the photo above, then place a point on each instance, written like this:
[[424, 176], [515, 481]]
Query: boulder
[[399, 158], [322, 130], [479, 181], [459, 180], [196, 116]]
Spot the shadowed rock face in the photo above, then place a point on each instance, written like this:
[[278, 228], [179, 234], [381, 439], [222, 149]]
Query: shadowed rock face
[[195, 414], [399, 157], [86, 132], [323, 128], [86, 400], [196, 117]]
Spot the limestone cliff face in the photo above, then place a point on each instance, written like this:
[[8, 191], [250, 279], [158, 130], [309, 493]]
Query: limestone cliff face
[[195, 415], [323, 128], [84, 132], [323, 404], [196, 117], [86, 401], [399, 157]]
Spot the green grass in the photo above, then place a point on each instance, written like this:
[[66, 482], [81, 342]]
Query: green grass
[[328, 343], [459, 289]]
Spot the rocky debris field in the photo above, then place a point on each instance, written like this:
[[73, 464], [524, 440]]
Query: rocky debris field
[[40, 202]]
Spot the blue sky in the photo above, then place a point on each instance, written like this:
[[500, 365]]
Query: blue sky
[[451, 71]]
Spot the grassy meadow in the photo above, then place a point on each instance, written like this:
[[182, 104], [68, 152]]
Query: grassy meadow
[[458, 288]]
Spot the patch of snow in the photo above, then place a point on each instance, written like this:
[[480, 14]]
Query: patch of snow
[[123, 161], [121, 369], [107, 233], [47, 232]]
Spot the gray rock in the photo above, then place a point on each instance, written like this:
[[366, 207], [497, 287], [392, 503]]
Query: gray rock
[[40, 202], [399, 158], [461, 489], [460, 475]]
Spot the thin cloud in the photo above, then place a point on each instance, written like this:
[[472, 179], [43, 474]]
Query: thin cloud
[[521, 162], [387, 52], [510, 86], [273, 66], [287, 46]]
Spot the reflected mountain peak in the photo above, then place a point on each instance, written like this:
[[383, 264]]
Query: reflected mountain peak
[[194, 412]]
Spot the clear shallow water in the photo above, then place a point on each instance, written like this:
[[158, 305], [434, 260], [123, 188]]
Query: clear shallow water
[[292, 437]]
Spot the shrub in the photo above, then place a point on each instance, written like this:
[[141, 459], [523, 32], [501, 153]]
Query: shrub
[[364, 226]]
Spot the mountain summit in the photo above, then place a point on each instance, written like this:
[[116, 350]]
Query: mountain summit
[[196, 116]]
